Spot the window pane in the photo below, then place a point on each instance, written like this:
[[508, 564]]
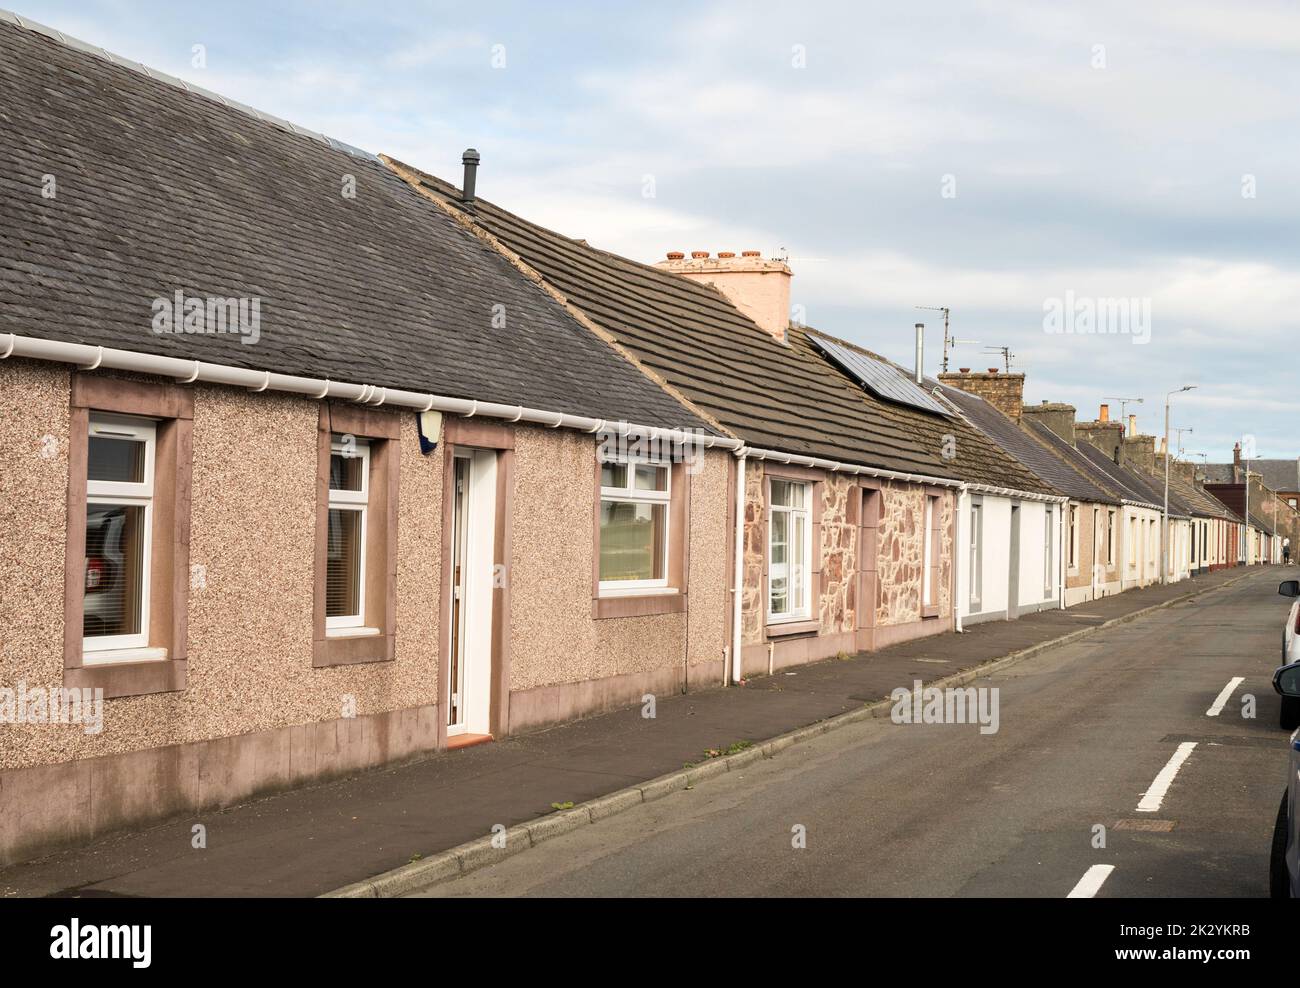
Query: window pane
[[120, 460], [651, 478], [613, 475], [343, 569], [114, 597], [778, 570], [782, 493], [632, 540], [798, 578], [345, 472]]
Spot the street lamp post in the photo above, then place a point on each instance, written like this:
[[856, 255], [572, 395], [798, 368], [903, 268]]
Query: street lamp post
[[1164, 528]]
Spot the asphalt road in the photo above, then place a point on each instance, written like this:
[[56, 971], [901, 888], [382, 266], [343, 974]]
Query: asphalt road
[[1086, 733]]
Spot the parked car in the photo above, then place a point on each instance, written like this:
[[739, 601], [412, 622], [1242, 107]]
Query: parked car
[[1284, 866], [1290, 718]]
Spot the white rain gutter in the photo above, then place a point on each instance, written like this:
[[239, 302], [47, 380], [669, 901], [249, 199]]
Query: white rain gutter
[[90, 358]]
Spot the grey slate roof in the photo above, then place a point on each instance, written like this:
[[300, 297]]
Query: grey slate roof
[[1017, 443], [1124, 482], [1278, 475], [160, 189], [775, 396]]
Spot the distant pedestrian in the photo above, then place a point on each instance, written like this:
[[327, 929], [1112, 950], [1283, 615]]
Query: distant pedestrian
[[1286, 552]]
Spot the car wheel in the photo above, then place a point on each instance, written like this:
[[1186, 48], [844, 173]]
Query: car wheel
[[1290, 716], [1279, 882]]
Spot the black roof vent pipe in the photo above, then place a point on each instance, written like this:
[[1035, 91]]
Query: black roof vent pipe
[[470, 160]]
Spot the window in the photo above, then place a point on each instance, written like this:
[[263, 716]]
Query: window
[[1049, 514], [1133, 545], [1072, 542], [976, 543], [345, 573], [119, 519], [635, 496], [1110, 537], [927, 577], [789, 550], [354, 572], [126, 574]]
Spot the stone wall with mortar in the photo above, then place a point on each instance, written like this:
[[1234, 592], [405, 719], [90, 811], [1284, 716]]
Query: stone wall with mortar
[[839, 547], [901, 553], [252, 531]]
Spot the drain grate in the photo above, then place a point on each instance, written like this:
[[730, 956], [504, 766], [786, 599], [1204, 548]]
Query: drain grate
[[1150, 826]]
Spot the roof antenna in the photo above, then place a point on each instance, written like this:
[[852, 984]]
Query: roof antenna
[[470, 160], [1006, 354]]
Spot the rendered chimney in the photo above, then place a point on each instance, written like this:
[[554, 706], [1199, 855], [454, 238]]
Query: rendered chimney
[[759, 288], [1132, 425], [1056, 416], [1005, 392]]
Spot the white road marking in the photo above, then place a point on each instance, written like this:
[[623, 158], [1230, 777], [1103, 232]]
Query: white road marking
[[1091, 882], [1153, 797], [1217, 706]]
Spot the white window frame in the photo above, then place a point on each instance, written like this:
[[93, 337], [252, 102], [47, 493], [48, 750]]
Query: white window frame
[[359, 502], [976, 554], [1111, 539], [631, 494], [1073, 543], [927, 583], [801, 514], [118, 648]]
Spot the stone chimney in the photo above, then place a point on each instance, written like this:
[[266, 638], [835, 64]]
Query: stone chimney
[[1005, 392], [1104, 434], [1139, 453], [1056, 416], [757, 287]]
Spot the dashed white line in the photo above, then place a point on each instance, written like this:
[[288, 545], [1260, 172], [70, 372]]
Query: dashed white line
[[1153, 797], [1091, 882], [1216, 707]]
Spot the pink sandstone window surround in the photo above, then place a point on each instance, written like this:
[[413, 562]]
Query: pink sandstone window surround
[[640, 536], [126, 581], [354, 613]]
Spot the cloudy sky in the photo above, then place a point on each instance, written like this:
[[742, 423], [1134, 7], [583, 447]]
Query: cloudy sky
[[996, 158]]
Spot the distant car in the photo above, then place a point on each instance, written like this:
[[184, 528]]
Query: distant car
[[1290, 718], [1284, 863]]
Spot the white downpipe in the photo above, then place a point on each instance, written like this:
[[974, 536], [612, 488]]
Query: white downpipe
[[961, 551], [739, 574]]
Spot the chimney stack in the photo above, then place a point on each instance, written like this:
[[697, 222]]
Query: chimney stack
[[920, 353], [1005, 392], [1104, 415], [1056, 416], [758, 288], [470, 160], [1132, 425]]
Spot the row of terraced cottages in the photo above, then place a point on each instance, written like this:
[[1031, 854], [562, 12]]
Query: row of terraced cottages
[[311, 463]]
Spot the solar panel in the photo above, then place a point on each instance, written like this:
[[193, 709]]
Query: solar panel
[[881, 379]]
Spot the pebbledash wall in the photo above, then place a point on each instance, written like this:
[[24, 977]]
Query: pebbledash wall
[[255, 714], [868, 544]]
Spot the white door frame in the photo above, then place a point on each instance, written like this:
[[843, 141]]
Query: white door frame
[[475, 630]]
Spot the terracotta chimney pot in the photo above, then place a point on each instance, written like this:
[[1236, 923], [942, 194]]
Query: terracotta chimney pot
[[699, 255], [676, 255]]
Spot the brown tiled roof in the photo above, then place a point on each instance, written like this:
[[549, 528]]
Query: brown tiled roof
[[160, 189], [773, 396]]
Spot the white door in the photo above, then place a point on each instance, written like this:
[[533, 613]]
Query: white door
[[473, 534]]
